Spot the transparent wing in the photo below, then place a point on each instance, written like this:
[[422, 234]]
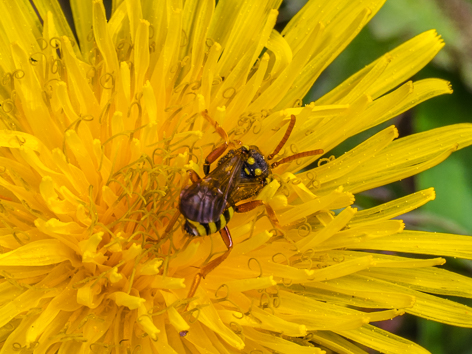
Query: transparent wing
[[205, 201]]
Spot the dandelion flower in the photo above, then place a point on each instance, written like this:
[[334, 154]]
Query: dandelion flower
[[96, 141]]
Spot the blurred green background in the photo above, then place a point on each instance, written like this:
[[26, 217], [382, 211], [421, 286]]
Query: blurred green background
[[450, 212]]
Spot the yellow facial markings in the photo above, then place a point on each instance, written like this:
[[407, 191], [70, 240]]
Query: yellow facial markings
[[250, 161], [247, 171], [258, 171]]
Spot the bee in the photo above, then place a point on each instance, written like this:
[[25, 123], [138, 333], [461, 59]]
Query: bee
[[209, 203]]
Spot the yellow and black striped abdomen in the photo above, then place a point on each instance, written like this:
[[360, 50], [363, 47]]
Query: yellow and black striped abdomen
[[196, 228]]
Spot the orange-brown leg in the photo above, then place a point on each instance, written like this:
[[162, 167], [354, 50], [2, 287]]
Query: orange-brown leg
[[226, 236], [194, 177], [248, 206], [213, 156]]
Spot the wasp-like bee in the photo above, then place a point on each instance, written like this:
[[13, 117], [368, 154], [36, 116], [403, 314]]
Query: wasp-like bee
[[208, 203]]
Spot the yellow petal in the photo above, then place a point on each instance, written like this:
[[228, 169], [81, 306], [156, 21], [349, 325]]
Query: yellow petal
[[335, 342], [60, 21], [427, 279], [353, 237], [250, 284], [382, 341], [43, 252], [335, 200], [123, 299], [447, 245], [394, 208], [405, 97], [353, 158], [416, 52], [279, 344], [427, 306], [177, 320], [209, 317], [21, 25], [407, 156], [339, 222], [102, 37], [141, 53], [359, 296], [82, 14]]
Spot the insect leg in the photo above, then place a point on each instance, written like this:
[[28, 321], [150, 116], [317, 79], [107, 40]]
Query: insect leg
[[248, 206], [194, 177], [212, 156], [219, 150], [226, 236]]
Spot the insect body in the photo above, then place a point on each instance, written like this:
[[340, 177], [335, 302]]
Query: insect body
[[209, 202]]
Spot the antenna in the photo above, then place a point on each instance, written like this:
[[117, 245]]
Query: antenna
[[285, 138], [282, 143]]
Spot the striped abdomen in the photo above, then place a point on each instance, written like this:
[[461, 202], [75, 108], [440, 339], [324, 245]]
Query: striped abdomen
[[195, 228]]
